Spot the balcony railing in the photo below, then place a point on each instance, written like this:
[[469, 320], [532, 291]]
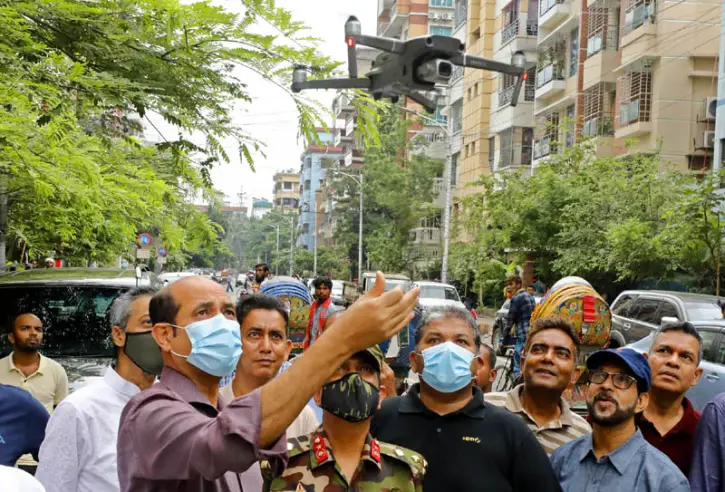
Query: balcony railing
[[457, 73], [547, 74], [437, 186], [457, 125], [461, 13], [512, 30], [542, 148], [547, 5], [600, 125], [506, 95], [638, 14]]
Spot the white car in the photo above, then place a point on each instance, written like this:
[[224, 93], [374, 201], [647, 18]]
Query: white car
[[170, 277], [436, 294]]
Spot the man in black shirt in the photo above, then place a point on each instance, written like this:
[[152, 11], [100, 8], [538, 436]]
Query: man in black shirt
[[469, 445]]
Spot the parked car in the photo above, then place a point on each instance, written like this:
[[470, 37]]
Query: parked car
[[712, 381], [337, 292], [436, 294], [637, 313], [73, 305], [499, 339], [167, 278], [392, 280]]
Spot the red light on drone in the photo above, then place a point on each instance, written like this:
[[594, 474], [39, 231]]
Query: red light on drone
[[350, 42], [526, 76]]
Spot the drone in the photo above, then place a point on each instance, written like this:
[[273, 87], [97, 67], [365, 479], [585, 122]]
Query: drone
[[409, 68]]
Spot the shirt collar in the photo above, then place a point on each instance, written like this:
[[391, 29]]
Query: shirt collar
[[118, 384], [620, 457], [42, 365], [321, 452], [514, 405], [411, 403], [184, 387], [686, 425]]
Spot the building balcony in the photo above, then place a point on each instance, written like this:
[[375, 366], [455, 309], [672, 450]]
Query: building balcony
[[549, 82], [520, 35], [384, 5], [425, 235], [505, 96], [599, 68], [354, 157], [398, 17], [342, 106], [342, 137], [552, 12], [598, 126]]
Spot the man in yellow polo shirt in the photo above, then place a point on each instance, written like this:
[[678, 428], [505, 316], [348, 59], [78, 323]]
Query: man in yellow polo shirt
[[27, 368]]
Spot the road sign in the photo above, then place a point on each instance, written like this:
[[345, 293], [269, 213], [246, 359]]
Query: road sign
[[143, 254], [161, 260], [163, 252], [144, 239]]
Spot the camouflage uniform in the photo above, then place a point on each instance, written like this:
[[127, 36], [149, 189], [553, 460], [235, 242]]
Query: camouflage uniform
[[312, 467]]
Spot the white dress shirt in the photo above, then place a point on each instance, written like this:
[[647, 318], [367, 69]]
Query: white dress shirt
[[17, 480], [79, 451]]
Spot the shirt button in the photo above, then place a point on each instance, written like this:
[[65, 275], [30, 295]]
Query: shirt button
[[438, 429]]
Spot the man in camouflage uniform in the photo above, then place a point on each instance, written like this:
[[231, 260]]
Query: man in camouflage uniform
[[349, 400]]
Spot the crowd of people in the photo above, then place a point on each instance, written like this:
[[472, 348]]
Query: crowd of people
[[202, 396]]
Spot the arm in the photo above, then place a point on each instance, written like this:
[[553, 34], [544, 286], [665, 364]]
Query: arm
[[372, 319], [37, 420], [708, 455], [531, 467], [61, 452], [511, 316], [61, 386], [172, 440]]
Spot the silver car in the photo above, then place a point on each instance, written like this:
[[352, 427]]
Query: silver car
[[712, 381]]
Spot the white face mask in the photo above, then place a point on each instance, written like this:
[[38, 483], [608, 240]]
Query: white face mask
[[216, 345]]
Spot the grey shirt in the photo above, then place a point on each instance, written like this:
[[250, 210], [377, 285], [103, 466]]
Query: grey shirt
[[635, 465], [171, 438]]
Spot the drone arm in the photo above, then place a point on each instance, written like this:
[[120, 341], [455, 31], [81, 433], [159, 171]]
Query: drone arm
[[429, 105], [470, 61], [363, 83], [383, 44]]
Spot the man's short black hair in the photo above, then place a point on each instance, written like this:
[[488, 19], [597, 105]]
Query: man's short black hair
[[683, 327], [263, 265], [439, 313], [163, 307], [10, 325], [491, 354], [320, 281], [247, 304]]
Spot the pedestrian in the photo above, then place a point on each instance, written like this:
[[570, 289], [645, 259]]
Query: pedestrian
[[518, 317], [318, 311], [342, 454], [27, 368], [79, 451], [707, 473], [49, 263], [16, 480], [669, 422], [469, 444], [265, 347], [179, 435], [230, 283], [549, 367], [261, 272], [615, 456], [486, 373], [22, 424]]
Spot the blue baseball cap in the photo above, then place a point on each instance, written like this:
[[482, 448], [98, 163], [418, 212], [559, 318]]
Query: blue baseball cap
[[636, 362]]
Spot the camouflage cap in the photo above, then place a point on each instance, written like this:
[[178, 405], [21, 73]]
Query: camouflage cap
[[374, 355]]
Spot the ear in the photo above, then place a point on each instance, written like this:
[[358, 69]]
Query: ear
[[162, 333], [383, 395], [696, 377], [476, 365], [575, 374], [416, 362], [119, 336], [646, 355], [11, 338], [492, 375], [288, 350], [642, 402]]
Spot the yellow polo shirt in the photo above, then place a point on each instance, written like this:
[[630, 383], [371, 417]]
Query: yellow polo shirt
[[48, 385]]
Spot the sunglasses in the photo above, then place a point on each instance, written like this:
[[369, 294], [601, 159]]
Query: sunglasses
[[619, 380]]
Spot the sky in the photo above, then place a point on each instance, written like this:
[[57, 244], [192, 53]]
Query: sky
[[272, 117]]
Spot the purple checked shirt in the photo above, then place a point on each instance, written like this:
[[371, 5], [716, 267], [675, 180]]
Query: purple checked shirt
[[171, 438]]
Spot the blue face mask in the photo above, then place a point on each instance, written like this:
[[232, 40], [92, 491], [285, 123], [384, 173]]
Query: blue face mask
[[447, 367], [216, 345]]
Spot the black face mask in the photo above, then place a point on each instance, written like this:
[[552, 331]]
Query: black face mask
[[143, 351], [350, 398]]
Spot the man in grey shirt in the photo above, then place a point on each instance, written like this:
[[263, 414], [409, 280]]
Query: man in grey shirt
[[616, 456], [178, 435]]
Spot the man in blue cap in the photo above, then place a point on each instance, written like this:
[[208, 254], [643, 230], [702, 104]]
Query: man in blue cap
[[615, 456]]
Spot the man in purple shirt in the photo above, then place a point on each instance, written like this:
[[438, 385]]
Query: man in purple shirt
[[179, 436], [707, 473]]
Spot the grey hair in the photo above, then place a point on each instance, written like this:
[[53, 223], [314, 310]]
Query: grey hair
[[444, 312], [120, 311]]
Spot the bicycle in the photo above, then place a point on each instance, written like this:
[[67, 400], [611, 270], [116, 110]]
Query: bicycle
[[505, 380]]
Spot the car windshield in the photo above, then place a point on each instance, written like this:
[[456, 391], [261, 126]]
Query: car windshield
[[75, 318], [703, 310], [391, 283], [337, 287], [439, 292]]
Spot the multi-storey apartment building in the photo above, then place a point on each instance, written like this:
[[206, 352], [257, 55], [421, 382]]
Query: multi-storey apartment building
[[286, 191]]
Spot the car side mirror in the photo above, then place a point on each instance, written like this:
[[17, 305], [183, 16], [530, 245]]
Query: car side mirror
[[668, 319]]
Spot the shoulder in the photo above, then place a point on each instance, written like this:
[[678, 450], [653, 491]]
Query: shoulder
[[18, 396], [54, 366], [298, 446], [15, 477], [568, 447], [661, 464], [83, 397], [499, 398], [412, 461], [580, 423], [148, 401]]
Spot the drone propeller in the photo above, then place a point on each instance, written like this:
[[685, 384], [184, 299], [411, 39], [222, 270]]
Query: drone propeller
[[352, 29]]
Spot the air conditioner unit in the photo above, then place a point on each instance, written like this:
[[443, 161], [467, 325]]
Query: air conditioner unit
[[445, 16], [708, 140], [433, 15], [710, 108]]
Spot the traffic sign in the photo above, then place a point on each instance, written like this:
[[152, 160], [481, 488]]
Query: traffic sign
[[143, 254], [162, 251], [144, 239]]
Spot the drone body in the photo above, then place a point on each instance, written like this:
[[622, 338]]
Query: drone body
[[408, 68]]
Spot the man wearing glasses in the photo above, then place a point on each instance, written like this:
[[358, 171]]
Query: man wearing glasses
[[615, 456]]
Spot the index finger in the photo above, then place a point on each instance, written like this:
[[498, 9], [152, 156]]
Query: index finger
[[405, 303]]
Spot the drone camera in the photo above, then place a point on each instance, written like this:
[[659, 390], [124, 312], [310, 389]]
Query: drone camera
[[435, 71]]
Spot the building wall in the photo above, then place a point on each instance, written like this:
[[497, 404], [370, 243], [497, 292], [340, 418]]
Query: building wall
[[287, 189]]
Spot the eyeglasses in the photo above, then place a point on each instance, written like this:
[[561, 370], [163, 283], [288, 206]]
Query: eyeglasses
[[619, 380]]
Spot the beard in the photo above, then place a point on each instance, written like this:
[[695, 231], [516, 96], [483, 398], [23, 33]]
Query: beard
[[259, 279], [28, 347], [620, 415]]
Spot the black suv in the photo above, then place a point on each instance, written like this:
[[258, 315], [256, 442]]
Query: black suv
[[73, 304], [637, 313]]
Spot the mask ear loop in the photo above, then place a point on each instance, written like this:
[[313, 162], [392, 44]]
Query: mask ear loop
[[174, 332]]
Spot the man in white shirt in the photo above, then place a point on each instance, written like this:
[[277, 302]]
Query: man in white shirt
[[79, 451], [17, 480]]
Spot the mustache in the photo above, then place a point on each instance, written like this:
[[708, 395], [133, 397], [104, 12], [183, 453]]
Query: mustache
[[605, 396]]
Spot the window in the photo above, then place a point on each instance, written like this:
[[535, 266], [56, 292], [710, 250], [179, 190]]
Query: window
[[475, 89], [667, 310], [491, 152], [440, 31], [636, 13], [527, 145], [703, 310], [709, 338], [454, 169], [440, 118], [307, 185], [623, 305], [452, 295], [597, 112], [645, 309], [635, 89], [288, 185], [569, 139], [602, 29], [510, 21], [441, 3], [574, 51], [461, 13], [506, 150]]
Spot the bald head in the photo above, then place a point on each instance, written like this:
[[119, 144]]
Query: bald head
[[166, 304], [27, 333]]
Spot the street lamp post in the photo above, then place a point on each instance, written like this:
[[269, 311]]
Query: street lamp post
[[276, 255], [360, 225], [291, 239], [449, 191]]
